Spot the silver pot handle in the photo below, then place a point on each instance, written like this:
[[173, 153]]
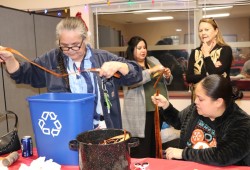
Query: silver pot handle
[[74, 145]]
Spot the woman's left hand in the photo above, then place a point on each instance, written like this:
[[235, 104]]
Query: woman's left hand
[[109, 68], [160, 101], [167, 73], [174, 153]]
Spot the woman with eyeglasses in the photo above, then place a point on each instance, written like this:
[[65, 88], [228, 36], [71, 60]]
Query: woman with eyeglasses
[[72, 58], [213, 56], [214, 130]]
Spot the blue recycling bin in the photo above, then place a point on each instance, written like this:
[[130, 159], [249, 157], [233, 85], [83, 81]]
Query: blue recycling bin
[[58, 118]]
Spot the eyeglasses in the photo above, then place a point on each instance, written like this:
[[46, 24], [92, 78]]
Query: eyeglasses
[[74, 48], [212, 19]]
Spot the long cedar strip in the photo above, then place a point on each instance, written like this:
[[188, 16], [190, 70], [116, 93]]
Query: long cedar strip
[[158, 143], [117, 75]]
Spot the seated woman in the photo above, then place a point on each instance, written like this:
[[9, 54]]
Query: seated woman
[[214, 130]]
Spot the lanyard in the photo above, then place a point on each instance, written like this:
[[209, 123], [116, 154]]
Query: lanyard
[[108, 104]]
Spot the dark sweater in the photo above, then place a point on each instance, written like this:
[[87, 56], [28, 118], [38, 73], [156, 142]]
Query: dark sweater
[[232, 135]]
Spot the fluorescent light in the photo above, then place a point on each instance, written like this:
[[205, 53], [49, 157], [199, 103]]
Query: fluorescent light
[[159, 18], [178, 30], [216, 8], [216, 15], [147, 10]]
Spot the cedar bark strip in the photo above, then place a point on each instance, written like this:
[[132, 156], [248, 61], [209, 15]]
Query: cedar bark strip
[[158, 142], [117, 75]]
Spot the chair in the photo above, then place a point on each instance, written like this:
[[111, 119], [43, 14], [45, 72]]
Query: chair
[[242, 84]]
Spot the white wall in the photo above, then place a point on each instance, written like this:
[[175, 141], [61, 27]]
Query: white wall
[[46, 4]]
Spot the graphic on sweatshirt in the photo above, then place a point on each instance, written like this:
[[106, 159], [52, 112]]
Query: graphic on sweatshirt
[[202, 137]]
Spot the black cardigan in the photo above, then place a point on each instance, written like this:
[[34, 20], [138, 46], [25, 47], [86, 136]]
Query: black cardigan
[[199, 67]]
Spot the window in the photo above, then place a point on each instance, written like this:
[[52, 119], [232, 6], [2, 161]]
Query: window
[[183, 29]]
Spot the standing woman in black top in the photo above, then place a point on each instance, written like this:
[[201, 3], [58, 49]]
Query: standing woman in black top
[[213, 56]]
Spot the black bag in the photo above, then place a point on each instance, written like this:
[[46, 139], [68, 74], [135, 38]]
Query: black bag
[[10, 142]]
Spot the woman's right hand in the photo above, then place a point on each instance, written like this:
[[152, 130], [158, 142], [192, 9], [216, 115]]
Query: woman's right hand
[[8, 58], [156, 68], [160, 101], [207, 47], [5, 55]]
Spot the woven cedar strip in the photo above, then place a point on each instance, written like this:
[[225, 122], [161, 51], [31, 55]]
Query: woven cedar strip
[[41, 67], [117, 75], [158, 142]]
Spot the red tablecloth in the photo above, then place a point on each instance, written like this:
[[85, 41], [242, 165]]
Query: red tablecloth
[[154, 164], [16, 165], [163, 164]]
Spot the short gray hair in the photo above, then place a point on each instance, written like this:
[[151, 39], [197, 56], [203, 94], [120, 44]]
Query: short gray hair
[[71, 23]]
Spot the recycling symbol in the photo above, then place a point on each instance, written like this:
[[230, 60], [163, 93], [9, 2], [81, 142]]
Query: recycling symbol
[[50, 118]]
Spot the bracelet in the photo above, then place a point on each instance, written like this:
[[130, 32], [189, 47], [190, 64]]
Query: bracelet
[[165, 76]]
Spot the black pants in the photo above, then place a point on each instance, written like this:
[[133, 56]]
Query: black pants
[[146, 147]]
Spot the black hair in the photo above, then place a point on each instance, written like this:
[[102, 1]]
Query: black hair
[[217, 86], [132, 43], [158, 53], [167, 41]]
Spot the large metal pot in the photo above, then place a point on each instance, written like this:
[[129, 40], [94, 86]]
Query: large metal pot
[[93, 155]]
